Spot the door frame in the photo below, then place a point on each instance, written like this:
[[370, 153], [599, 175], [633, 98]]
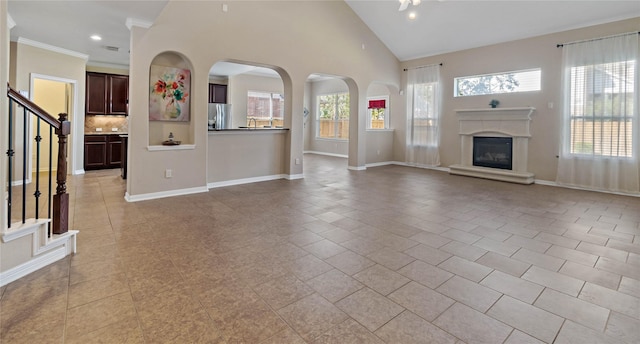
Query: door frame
[[74, 118]]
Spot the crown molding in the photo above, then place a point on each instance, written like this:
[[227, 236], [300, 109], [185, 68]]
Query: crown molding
[[131, 22], [107, 65], [45, 46]]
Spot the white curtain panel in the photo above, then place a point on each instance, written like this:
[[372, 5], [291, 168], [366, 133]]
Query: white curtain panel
[[599, 141], [423, 116]]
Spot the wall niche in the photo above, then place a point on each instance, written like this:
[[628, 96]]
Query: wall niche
[[170, 110]]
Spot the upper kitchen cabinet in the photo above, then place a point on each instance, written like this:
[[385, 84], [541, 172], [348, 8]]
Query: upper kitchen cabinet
[[217, 93], [107, 94]]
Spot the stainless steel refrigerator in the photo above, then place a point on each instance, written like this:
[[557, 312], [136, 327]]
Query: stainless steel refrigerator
[[220, 116]]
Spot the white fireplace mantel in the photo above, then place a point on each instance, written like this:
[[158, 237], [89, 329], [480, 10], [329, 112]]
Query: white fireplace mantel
[[501, 122]]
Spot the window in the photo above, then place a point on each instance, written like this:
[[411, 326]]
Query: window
[[601, 108], [509, 82], [266, 108], [378, 113], [333, 116]]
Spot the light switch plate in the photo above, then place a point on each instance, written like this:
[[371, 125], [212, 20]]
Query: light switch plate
[[98, 129], [114, 129]]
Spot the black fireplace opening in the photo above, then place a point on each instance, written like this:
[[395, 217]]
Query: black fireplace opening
[[494, 152]]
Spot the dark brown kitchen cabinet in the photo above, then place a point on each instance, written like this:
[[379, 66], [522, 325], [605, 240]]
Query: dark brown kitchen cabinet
[[114, 151], [107, 94], [217, 93], [102, 151]]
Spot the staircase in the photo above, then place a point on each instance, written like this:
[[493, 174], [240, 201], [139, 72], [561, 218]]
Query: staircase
[[36, 232]]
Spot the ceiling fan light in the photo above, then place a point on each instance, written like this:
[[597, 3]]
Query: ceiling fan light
[[416, 2], [403, 5]]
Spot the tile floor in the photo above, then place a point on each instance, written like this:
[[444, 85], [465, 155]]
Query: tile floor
[[389, 255]]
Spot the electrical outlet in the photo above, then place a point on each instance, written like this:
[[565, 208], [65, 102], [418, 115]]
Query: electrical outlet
[[168, 173], [297, 161], [114, 129], [98, 129]]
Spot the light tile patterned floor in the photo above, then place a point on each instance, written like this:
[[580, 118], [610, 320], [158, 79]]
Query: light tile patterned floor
[[392, 254]]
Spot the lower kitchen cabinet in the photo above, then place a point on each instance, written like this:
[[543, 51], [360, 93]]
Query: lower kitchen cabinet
[[102, 151]]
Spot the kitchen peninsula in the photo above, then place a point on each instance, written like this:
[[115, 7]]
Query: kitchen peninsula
[[246, 155]]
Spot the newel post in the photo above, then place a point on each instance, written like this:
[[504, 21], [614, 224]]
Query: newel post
[[61, 198]]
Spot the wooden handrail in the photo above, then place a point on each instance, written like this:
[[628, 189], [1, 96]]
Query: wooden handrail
[[62, 129], [35, 109]]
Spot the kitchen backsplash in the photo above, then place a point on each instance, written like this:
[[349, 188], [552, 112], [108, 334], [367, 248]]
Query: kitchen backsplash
[[91, 122]]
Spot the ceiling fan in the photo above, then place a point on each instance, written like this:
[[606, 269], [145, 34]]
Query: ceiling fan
[[405, 3]]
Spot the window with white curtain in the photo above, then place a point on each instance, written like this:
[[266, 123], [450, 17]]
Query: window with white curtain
[[423, 116], [600, 115], [601, 104]]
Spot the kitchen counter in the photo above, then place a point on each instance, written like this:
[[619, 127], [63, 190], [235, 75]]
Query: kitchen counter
[[89, 133], [249, 129]]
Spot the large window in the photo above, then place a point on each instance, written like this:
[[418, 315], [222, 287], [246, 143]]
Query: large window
[[508, 82], [266, 108], [378, 113], [333, 116], [601, 108], [600, 126]]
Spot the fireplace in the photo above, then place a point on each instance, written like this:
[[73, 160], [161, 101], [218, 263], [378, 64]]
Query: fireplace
[[494, 144], [494, 152]]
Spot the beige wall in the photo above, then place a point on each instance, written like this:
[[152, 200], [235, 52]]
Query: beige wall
[[30, 60], [244, 155], [238, 87], [255, 32], [53, 97], [537, 52], [110, 70]]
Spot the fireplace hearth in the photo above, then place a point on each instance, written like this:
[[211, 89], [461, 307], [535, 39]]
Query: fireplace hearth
[[494, 152]]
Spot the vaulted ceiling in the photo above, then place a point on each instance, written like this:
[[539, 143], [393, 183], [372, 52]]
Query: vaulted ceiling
[[439, 26]]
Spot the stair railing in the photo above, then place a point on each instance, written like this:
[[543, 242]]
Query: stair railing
[[59, 210]]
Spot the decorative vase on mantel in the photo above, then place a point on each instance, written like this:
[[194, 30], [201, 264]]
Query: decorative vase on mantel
[[494, 103]]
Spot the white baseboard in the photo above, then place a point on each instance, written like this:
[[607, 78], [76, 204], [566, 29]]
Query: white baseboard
[[554, 184], [382, 163], [294, 176], [357, 168], [54, 249], [77, 172], [163, 194], [214, 185], [327, 154]]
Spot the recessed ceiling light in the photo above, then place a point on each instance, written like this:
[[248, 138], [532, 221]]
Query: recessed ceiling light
[[96, 37], [412, 15]]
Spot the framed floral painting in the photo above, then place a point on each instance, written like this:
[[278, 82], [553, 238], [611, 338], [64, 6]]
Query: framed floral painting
[[169, 94]]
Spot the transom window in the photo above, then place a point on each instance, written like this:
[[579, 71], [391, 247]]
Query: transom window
[[507, 82], [266, 108], [333, 116]]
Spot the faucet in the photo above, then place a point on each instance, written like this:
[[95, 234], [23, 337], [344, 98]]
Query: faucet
[[255, 123]]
